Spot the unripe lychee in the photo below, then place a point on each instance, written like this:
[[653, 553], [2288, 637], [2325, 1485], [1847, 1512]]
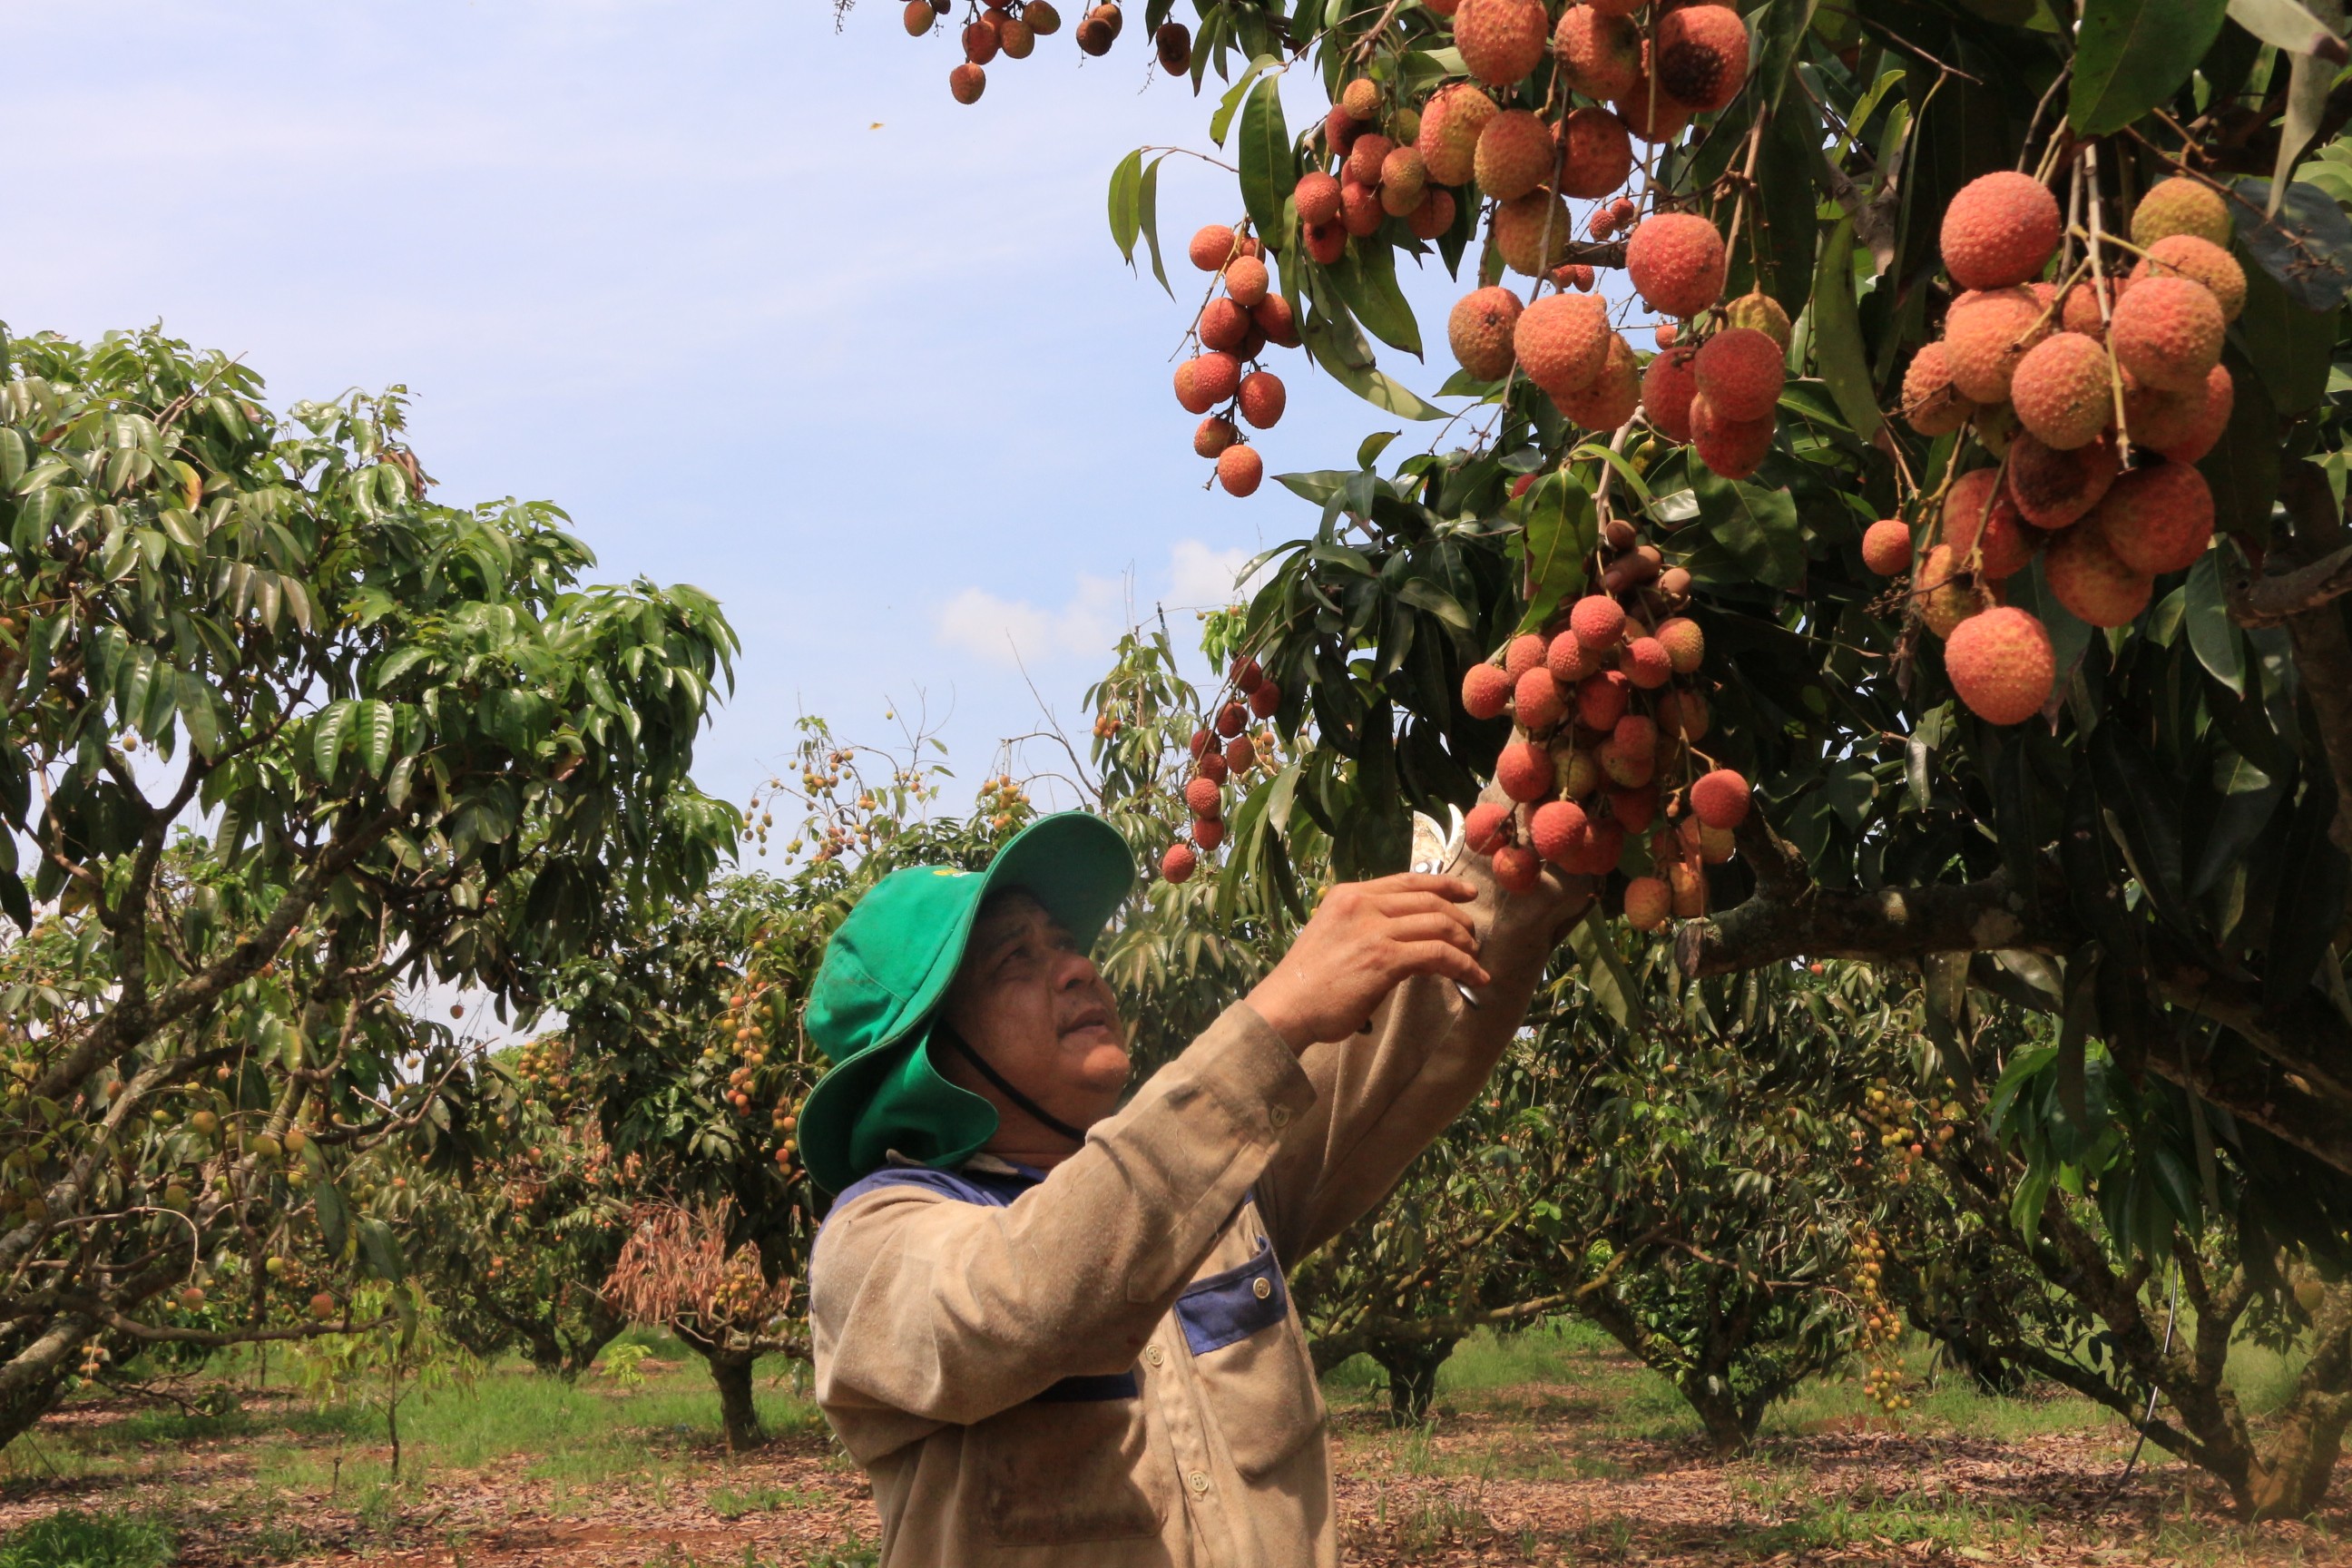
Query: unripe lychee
[[1578, 774], [1480, 331], [1650, 111], [1719, 799], [2063, 391], [1434, 216], [1535, 700], [1600, 53], [919, 18], [1887, 547], [1944, 595], [1702, 55], [1239, 469], [1317, 197], [2000, 229], [1450, 124], [1207, 380], [1179, 863], [1710, 844], [1568, 659], [1501, 40], [1685, 643], [1739, 370], [1223, 325], [1485, 826], [2158, 519], [1676, 260], [1980, 521], [1517, 869], [1524, 653], [1600, 699], [1364, 159], [1610, 398], [1931, 404], [1533, 233], [1647, 663], [2186, 255], [1362, 99], [967, 82], [1598, 621], [1247, 280], [2054, 489], [2092, 581], [2167, 332], [1598, 156], [1628, 767], [1211, 248], [1262, 398], [1986, 335], [1524, 770], [1557, 828], [1514, 154], [1274, 317], [1667, 387], [1485, 691], [1403, 179], [1731, 448], [2181, 205], [2001, 665], [1649, 902], [1216, 434], [1203, 798]]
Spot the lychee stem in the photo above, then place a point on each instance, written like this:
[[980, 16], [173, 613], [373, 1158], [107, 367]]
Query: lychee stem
[[2087, 172]]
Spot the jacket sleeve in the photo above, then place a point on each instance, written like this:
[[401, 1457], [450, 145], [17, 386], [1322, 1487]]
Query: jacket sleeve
[[1380, 1097], [949, 1311]]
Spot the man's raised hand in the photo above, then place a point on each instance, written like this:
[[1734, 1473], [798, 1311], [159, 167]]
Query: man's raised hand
[[1363, 939]]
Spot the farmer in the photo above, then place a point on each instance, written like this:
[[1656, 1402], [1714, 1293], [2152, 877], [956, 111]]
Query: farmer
[[1054, 1329]]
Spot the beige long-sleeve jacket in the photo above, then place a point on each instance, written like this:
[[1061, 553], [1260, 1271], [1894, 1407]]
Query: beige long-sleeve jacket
[[1101, 1365]]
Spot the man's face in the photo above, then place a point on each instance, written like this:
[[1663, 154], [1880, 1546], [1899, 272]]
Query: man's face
[[1033, 1005]]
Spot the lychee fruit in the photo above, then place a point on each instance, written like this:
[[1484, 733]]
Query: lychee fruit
[[1731, 448], [1173, 44], [1981, 520], [1702, 55], [1362, 99], [1533, 233], [1501, 40], [1179, 863], [2181, 205], [1043, 19], [2078, 311], [2193, 423], [1211, 247], [1485, 691], [1434, 216], [1213, 767], [981, 41], [918, 17], [1403, 180], [2158, 519], [1274, 317], [967, 82], [2063, 391], [1207, 835], [1557, 828], [1524, 770], [1239, 469], [1647, 663], [2054, 489], [1613, 393], [1207, 380], [1316, 197], [1576, 275], [1931, 404], [1266, 699], [1360, 213], [1685, 643], [2167, 332], [2001, 665], [1536, 700], [1247, 280], [2186, 255], [1719, 799], [1887, 547], [1598, 621], [1598, 155], [1223, 325], [1761, 313], [1649, 902], [1262, 398], [1203, 798], [1480, 329], [1628, 767], [1739, 370], [1514, 154], [1676, 260], [1213, 437], [1364, 160], [1945, 595], [1986, 335], [2092, 581], [1485, 826], [1450, 126], [1650, 111], [1667, 387], [1517, 869], [1568, 659], [1524, 653], [1601, 700], [1600, 53], [1326, 242], [2000, 229]]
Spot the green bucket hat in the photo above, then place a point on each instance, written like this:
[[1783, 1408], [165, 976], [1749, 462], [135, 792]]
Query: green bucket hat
[[886, 967]]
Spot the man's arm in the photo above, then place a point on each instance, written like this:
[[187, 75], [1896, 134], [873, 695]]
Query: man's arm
[[951, 1312]]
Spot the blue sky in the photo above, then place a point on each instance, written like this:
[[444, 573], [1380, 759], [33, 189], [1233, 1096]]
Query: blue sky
[[886, 389]]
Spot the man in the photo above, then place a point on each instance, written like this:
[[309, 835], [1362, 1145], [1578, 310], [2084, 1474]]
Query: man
[[1055, 1332]]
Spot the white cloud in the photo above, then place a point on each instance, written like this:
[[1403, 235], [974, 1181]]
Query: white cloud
[[1007, 632], [1200, 578]]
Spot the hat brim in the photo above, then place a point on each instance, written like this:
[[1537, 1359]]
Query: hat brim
[[888, 1098]]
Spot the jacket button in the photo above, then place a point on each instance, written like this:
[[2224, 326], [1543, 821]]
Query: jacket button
[[1279, 1116], [1152, 1353], [1261, 1287], [1200, 1482]]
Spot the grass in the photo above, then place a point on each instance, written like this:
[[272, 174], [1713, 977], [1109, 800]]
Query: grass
[[77, 1539]]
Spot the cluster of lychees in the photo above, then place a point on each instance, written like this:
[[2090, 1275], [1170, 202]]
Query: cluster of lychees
[[1233, 328], [1007, 27], [1221, 751], [1602, 751], [2092, 396], [1878, 1333]]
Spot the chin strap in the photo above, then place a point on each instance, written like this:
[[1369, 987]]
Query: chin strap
[[941, 1030]]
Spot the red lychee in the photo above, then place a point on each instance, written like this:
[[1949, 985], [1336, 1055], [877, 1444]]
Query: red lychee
[[2063, 391], [1239, 469], [2208, 418], [1676, 260], [1179, 863], [1316, 195], [2078, 311], [1600, 53], [1208, 834], [1537, 701], [1931, 404], [1561, 340], [1522, 654], [1435, 215], [1649, 903], [1211, 248], [1485, 826], [2092, 581], [1223, 325], [1247, 280], [981, 41], [1887, 547], [1213, 437], [1326, 242], [2053, 489], [1360, 213], [1524, 770], [1262, 398], [2001, 665], [1213, 767], [918, 17], [1533, 233], [1364, 160], [1599, 154], [1448, 139], [1634, 809], [1203, 798], [2158, 519], [1702, 55], [1514, 154], [2000, 229], [1628, 767], [1719, 799], [1650, 111], [1985, 336], [1568, 659], [1647, 664], [1667, 387], [1501, 40], [1207, 380], [1739, 371], [2167, 332], [1266, 699], [1274, 317], [967, 82], [1557, 827], [1981, 520], [1600, 699], [1613, 393], [1731, 448], [2186, 256], [1598, 621], [1517, 869], [1485, 691]]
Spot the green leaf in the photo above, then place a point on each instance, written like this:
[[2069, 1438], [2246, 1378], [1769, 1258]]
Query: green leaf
[[1267, 165], [1757, 527], [375, 727], [198, 714], [2309, 79], [1126, 203], [1779, 32], [2283, 24], [2306, 245], [1222, 119], [2213, 635], [1366, 278], [1148, 215], [2133, 54], [1558, 529], [1332, 341], [334, 1219], [1605, 975], [1838, 353], [327, 738]]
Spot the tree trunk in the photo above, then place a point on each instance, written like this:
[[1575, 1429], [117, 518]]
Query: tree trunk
[[1413, 1377], [731, 1371], [602, 1326], [1728, 1429], [31, 1379], [2290, 1477]]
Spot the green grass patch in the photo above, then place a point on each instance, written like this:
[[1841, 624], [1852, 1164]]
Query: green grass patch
[[74, 1540]]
